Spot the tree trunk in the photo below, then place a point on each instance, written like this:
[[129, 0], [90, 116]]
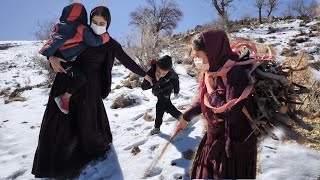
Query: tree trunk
[[215, 3], [260, 20], [222, 13], [269, 13]]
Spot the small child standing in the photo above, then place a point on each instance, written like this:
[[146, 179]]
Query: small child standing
[[165, 80], [69, 38]]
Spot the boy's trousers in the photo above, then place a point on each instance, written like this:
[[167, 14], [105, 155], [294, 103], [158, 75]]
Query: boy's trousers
[[165, 105]]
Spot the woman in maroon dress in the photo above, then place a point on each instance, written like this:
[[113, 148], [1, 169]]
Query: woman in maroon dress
[[228, 149], [68, 142]]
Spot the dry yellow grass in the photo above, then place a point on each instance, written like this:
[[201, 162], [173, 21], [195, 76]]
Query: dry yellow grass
[[306, 78], [313, 136]]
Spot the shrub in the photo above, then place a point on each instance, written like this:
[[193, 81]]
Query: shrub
[[122, 102]]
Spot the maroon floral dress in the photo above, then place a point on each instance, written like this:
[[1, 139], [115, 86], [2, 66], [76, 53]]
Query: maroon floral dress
[[226, 150]]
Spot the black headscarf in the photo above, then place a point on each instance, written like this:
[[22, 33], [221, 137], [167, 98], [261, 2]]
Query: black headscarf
[[101, 11]]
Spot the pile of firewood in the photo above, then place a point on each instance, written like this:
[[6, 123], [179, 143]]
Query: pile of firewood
[[275, 98]]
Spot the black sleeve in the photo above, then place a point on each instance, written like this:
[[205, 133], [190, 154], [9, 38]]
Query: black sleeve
[[194, 111], [145, 85], [127, 61]]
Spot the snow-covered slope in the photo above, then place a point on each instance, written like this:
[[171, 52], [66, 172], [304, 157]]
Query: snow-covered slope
[[285, 31], [17, 64], [20, 124]]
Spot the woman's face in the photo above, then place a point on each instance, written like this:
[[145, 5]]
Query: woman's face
[[199, 54], [99, 21]]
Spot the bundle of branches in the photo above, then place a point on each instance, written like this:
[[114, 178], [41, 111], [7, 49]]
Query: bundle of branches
[[273, 100]]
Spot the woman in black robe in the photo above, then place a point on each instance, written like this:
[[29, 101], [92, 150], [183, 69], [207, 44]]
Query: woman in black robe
[[68, 142]]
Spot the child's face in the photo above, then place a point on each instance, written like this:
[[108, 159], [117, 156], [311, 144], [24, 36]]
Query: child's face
[[161, 73]]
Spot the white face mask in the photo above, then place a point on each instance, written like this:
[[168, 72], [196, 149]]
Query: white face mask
[[98, 30], [200, 65]]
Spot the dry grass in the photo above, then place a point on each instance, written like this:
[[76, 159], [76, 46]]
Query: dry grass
[[122, 102], [44, 65], [313, 137], [304, 77], [311, 100]]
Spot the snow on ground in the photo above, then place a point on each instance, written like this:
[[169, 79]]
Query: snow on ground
[[280, 39], [17, 65], [20, 124], [288, 161], [19, 129]]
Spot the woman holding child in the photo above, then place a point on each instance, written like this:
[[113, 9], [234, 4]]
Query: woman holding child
[[68, 142]]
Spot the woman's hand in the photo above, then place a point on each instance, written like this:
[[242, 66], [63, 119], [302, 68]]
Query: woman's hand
[[56, 65], [180, 126], [148, 78]]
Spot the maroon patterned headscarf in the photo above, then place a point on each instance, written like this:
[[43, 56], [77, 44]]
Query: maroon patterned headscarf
[[218, 49]]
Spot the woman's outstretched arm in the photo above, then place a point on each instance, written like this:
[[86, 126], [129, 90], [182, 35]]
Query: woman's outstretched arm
[[129, 63], [194, 111]]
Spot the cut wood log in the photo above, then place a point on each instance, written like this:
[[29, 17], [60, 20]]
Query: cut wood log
[[274, 97], [289, 132], [302, 113], [284, 118], [284, 81], [283, 109], [301, 89], [300, 122], [280, 109], [261, 105]]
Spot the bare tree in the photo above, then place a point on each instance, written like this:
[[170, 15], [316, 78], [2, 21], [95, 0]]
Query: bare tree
[[259, 4], [44, 29], [222, 8], [305, 9], [287, 12], [300, 7], [154, 19], [271, 6], [164, 16], [314, 9]]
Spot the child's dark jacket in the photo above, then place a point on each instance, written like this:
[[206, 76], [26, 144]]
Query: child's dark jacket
[[162, 88], [71, 36]]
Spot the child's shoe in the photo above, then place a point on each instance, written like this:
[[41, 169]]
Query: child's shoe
[[155, 131], [63, 104]]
